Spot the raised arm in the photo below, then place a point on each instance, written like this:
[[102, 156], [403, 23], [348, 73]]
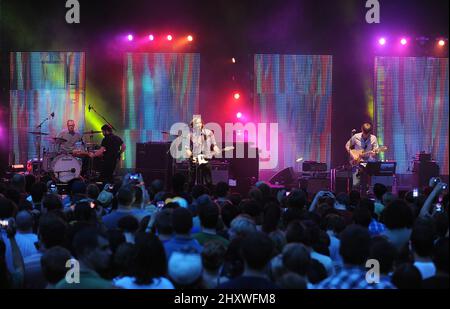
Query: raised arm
[[18, 263], [427, 206]]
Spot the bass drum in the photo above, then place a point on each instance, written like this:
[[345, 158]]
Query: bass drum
[[66, 167]]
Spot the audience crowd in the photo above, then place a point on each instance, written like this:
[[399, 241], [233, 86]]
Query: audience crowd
[[133, 235]]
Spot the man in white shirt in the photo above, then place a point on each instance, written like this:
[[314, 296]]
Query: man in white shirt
[[364, 141], [202, 142], [70, 136]]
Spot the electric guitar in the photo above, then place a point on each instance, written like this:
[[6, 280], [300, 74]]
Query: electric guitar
[[201, 159], [358, 155]]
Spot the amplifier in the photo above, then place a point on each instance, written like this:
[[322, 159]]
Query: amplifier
[[424, 171], [380, 168], [423, 157], [313, 166], [313, 185], [220, 172]]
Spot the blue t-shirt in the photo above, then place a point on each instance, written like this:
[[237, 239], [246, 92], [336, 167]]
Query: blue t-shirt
[[111, 220], [178, 243]]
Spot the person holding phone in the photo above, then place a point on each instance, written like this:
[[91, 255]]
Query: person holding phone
[[7, 238], [429, 207]]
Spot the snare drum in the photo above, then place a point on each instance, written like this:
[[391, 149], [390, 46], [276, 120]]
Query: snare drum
[[66, 167]]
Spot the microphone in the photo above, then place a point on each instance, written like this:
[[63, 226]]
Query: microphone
[[89, 107], [353, 131], [52, 115], [73, 170]]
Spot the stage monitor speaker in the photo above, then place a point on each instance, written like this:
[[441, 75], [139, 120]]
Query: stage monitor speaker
[[286, 177]]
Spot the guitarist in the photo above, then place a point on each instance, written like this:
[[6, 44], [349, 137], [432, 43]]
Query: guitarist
[[364, 141], [202, 142]]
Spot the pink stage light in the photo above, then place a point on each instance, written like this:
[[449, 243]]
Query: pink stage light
[[382, 41], [169, 38], [236, 96], [239, 115], [233, 60], [130, 37], [190, 38], [403, 41], [441, 43], [151, 37]]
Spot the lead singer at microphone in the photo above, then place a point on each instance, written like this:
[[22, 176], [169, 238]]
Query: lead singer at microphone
[[111, 148]]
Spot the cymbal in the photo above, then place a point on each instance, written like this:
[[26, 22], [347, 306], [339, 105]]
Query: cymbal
[[38, 133], [58, 139], [91, 132]]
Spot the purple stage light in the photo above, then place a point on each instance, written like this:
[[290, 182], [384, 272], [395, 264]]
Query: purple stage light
[[238, 115], [382, 41], [151, 37], [403, 41], [130, 37], [441, 43]]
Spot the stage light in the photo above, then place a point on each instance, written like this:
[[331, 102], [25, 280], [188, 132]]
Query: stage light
[[190, 38], [233, 60], [403, 41], [130, 37], [236, 96], [169, 38], [382, 41], [239, 115], [151, 37], [441, 43]]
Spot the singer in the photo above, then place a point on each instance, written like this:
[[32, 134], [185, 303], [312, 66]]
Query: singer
[[70, 136], [366, 143]]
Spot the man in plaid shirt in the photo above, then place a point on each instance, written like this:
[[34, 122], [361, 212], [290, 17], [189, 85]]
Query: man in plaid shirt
[[355, 246]]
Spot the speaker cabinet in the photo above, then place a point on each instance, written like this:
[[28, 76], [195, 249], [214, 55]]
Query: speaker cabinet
[[424, 171], [153, 161]]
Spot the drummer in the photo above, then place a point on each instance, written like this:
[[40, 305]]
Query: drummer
[[71, 137]]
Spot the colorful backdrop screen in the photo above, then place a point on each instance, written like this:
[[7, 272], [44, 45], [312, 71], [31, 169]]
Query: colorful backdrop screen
[[411, 108], [42, 83], [159, 89], [295, 92]]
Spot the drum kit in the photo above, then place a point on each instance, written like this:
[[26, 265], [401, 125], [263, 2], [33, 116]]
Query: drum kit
[[61, 165]]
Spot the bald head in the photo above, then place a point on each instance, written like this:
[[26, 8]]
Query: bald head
[[24, 221]]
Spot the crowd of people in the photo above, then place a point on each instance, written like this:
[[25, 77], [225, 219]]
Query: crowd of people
[[133, 235]]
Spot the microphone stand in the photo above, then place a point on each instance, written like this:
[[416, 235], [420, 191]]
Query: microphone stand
[[38, 146], [101, 116]]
